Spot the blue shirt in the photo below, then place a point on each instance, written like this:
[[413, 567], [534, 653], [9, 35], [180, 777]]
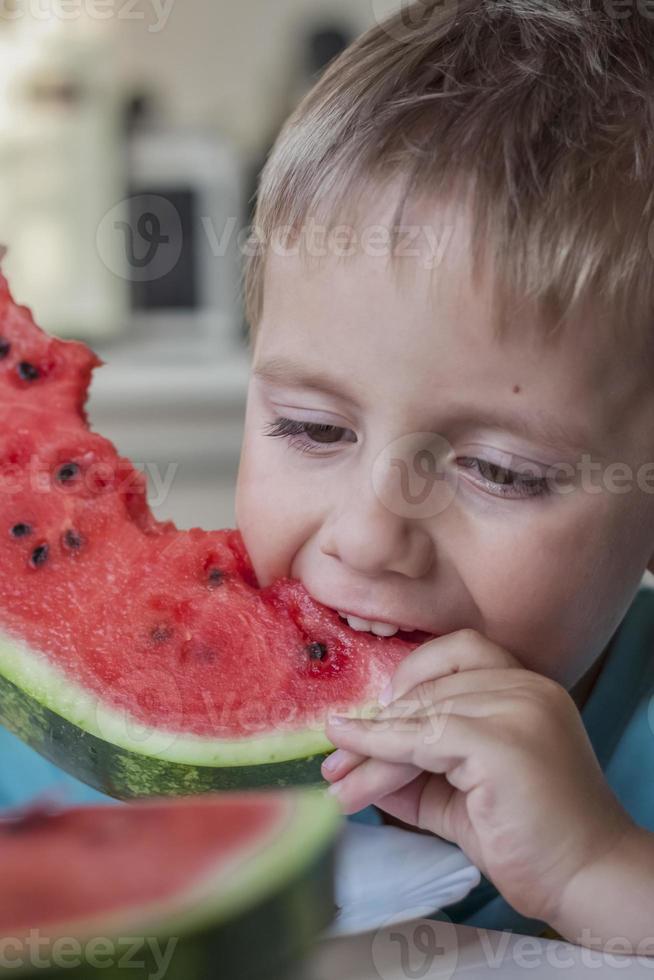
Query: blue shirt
[[618, 717]]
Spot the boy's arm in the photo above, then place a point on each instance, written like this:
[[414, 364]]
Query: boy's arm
[[610, 905]]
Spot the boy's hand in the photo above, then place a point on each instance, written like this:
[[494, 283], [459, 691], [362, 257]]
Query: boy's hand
[[490, 756]]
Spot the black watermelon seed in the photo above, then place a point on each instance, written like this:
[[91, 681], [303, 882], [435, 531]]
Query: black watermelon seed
[[317, 651], [67, 472], [195, 651], [161, 633], [205, 655], [5, 347], [215, 576], [72, 540], [28, 372], [39, 555], [21, 530]]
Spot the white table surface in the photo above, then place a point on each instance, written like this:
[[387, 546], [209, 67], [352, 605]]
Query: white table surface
[[431, 950]]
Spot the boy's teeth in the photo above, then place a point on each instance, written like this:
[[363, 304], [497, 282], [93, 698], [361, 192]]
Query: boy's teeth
[[365, 626]]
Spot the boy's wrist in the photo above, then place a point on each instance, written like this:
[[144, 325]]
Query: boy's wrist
[[610, 904]]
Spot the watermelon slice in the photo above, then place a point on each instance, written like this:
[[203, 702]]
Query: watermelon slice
[[143, 659], [169, 888]]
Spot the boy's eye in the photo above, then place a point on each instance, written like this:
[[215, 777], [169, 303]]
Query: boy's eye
[[306, 433], [504, 482]]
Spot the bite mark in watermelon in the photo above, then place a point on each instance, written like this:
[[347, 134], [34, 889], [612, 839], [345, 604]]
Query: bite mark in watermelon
[[141, 658], [189, 881]]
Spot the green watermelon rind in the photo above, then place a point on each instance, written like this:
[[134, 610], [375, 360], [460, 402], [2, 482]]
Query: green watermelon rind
[[281, 895], [123, 758]]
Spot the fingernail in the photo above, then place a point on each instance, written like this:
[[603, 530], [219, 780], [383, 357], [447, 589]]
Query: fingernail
[[335, 788], [334, 760], [386, 696], [337, 720]]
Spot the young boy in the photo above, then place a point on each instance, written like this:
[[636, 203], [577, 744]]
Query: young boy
[[449, 428]]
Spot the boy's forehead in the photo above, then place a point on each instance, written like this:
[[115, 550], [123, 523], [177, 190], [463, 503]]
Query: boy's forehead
[[421, 262], [350, 275]]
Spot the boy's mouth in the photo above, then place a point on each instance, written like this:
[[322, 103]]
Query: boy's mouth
[[379, 628]]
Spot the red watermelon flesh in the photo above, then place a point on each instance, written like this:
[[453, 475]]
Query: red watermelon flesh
[[94, 861], [190, 880], [167, 625]]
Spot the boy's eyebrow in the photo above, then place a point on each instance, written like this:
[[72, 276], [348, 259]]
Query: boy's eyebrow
[[279, 370], [542, 428]]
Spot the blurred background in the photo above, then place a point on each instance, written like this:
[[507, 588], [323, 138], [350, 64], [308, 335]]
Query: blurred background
[[131, 136]]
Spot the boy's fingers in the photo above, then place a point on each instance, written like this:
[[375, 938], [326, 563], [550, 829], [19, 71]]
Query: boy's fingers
[[450, 654], [440, 698], [370, 781], [435, 742], [339, 763], [425, 802]]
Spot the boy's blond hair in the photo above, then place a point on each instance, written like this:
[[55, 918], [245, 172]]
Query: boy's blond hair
[[538, 112]]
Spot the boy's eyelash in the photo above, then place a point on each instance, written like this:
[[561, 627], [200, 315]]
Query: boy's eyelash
[[297, 433], [511, 484], [531, 486]]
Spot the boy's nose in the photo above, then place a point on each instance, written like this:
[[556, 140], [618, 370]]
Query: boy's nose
[[371, 540]]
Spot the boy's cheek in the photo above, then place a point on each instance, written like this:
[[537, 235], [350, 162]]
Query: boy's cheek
[[265, 531], [249, 515], [250, 521], [257, 544]]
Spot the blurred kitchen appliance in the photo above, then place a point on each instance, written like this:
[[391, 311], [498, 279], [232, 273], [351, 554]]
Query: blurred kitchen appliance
[[181, 231]]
